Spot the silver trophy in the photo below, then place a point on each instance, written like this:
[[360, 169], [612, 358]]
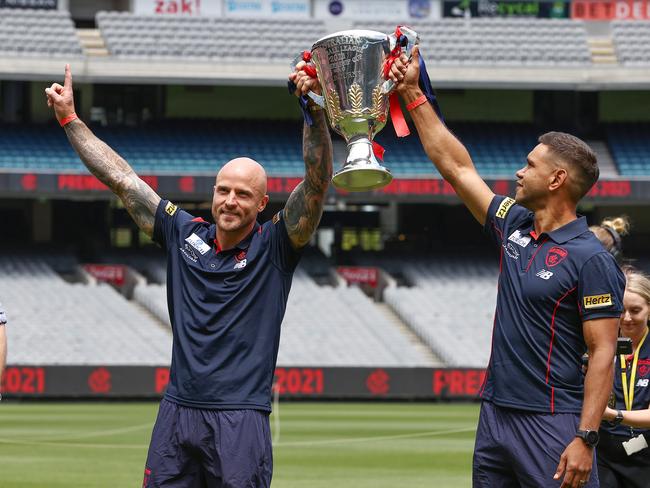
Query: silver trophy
[[350, 68]]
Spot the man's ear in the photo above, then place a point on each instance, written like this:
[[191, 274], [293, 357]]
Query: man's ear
[[558, 179], [263, 202]]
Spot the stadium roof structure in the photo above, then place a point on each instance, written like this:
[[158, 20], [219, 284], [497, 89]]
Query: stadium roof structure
[[548, 54], [109, 70]]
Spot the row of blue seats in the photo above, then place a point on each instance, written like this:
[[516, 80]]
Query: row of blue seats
[[194, 147], [630, 146]]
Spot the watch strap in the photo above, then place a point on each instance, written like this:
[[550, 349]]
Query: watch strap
[[618, 419]]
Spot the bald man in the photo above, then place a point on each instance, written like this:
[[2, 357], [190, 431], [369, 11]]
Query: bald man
[[227, 289]]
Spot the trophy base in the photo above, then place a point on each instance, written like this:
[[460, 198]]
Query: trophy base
[[362, 171], [362, 179]]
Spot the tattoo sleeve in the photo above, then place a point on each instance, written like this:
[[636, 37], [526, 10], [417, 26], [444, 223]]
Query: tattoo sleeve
[[138, 197], [305, 204]]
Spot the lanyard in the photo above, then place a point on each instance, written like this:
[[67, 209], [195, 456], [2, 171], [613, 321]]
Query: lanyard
[[628, 393]]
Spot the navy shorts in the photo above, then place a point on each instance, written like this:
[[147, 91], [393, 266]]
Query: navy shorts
[[206, 448], [515, 448]]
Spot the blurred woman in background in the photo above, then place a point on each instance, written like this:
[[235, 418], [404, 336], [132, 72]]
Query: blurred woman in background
[[623, 455], [609, 233]]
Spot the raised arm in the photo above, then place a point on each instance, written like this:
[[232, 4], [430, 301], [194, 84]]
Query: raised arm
[[111, 169], [445, 151], [305, 204]]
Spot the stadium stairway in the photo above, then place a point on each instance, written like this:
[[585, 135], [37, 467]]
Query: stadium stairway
[[92, 42], [606, 163], [602, 51], [408, 332]]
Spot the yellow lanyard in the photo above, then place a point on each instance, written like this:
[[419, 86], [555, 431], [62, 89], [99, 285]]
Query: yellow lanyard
[[628, 393]]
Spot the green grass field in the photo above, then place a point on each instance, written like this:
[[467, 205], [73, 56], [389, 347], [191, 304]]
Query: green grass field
[[319, 445]]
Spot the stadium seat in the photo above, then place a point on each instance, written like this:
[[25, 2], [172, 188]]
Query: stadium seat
[[38, 33], [438, 308], [630, 146], [56, 322], [155, 37], [631, 39]]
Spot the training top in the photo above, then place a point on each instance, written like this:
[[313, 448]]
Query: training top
[[225, 307], [641, 389], [549, 284]]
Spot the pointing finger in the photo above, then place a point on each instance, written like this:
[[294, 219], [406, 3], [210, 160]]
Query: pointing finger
[[67, 83]]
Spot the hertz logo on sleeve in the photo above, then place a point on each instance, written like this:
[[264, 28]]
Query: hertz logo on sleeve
[[503, 209], [170, 208], [598, 301]]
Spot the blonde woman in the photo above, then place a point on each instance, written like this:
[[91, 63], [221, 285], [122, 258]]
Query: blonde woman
[[609, 233], [623, 454]]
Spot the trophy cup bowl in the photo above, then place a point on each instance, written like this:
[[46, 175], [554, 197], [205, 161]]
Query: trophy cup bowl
[[350, 65]]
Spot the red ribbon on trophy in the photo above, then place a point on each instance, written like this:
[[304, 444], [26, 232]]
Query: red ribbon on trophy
[[396, 115]]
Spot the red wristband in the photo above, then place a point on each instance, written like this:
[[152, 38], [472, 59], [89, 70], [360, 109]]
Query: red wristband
[[66, 120], [417, 102]]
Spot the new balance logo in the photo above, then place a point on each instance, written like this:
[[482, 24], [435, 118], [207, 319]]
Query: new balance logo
[[543, 274], [241, 264]]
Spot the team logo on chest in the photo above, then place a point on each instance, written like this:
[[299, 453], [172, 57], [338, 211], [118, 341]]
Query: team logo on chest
[[643, 367], [555, 256], [517, 238]]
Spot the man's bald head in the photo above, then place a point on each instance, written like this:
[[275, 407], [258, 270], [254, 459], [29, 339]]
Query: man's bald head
[[239, 195], [247, 170]]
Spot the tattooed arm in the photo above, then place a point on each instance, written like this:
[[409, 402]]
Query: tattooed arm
[[304, 207], [138, 198]]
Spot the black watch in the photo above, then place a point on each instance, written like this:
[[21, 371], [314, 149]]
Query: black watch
[[618, 419], [590, 437]]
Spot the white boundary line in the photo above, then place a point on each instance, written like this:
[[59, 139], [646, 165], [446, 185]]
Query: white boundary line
[[99, 433], [347, 440], [350, 440], [72, 444]]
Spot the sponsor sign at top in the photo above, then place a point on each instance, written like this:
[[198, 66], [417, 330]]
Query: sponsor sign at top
[[506, 8], [610, 9], [40, 4], [377, 9], [192, 8], [267, 8]]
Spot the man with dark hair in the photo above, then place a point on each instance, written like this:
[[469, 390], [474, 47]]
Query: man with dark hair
[[577, 156], [560, 294], [227, 289]]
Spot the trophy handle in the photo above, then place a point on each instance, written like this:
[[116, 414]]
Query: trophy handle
[[406, 42], [311, 71]]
